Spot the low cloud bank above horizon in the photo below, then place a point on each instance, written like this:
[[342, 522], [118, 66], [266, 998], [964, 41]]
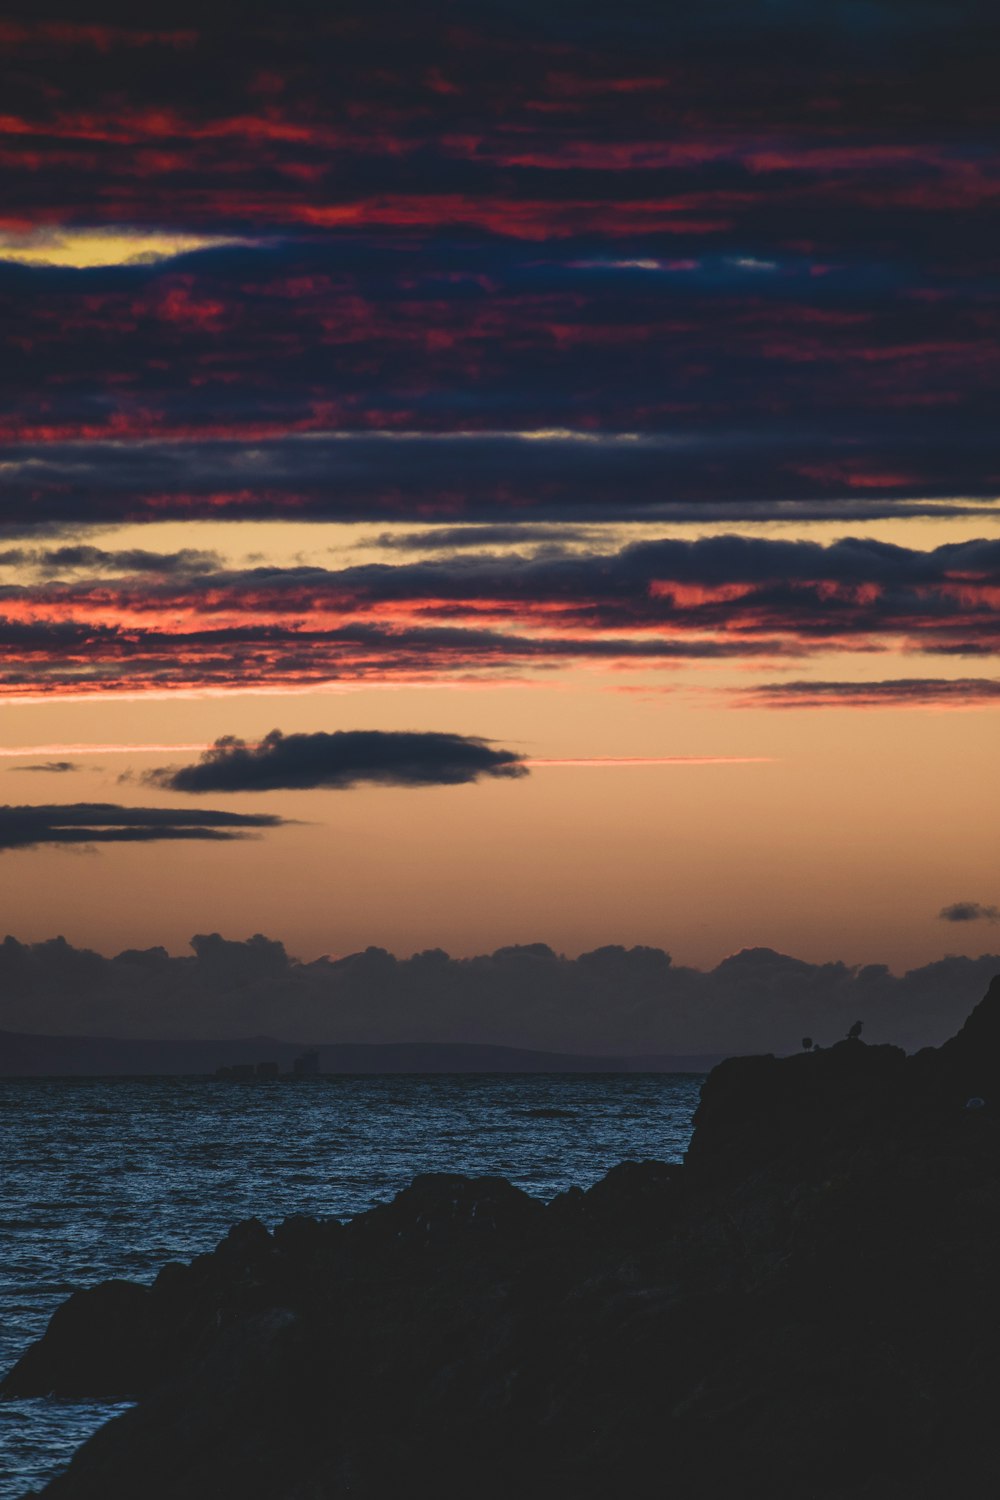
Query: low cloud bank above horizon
[[612, 1001], [339, 761], [86, 823], [969, 911]]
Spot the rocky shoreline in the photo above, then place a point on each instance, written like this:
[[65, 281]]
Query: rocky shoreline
[[808, 1307]]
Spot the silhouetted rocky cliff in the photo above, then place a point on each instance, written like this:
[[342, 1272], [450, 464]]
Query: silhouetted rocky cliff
[[808, 1308]]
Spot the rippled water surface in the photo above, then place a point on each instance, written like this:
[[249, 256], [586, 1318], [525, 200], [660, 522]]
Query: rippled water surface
[[112, 1178]]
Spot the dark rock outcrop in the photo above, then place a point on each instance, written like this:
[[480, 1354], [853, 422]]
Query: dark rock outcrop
[[809, 1309]]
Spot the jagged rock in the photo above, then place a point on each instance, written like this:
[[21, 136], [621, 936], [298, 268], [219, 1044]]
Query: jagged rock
[[636, 1200], [758, 1111], [441, 1209], [970, 1062], [103, 1340], [808, 1308]]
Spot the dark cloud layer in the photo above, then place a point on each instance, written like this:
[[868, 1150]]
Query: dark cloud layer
[[652, 602], [610, 1000], [576, 476], [496, 264], [343, 759], [88, 823], [969, 911], [763, 236]]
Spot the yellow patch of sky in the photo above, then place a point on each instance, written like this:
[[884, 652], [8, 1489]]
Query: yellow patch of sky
[[87, 249]]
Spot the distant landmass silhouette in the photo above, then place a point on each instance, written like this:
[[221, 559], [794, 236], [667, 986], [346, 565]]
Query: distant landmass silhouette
[[25, 1055]]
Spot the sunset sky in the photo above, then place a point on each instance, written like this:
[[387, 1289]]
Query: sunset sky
[[604, 397]]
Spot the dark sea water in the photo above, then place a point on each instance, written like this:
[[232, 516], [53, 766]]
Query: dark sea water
[[108, 1178]]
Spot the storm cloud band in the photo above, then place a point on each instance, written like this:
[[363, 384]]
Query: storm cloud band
[[576, 476]]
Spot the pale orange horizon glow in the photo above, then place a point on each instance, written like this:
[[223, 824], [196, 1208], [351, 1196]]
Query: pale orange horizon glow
[[814, 841]]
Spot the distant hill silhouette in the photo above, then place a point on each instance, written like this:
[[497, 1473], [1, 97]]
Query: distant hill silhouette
[[25, 1056]]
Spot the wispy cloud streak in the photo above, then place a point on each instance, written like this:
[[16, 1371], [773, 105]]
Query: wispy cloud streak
[[91, 823]]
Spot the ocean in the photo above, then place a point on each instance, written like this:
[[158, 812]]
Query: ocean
[[113, 1177]]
